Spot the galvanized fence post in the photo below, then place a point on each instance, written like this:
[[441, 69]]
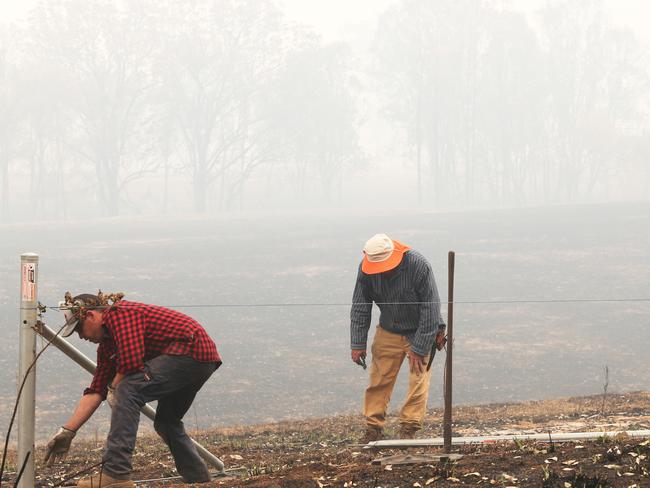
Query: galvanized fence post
[[27, 354]]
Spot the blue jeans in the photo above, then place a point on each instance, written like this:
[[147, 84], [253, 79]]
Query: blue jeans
[[174, 382]]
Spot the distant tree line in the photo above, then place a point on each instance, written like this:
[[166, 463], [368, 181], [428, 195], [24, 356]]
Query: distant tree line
[[97, 96], [492, 106]]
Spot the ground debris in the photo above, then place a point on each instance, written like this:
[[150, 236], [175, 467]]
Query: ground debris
[[325, 452]]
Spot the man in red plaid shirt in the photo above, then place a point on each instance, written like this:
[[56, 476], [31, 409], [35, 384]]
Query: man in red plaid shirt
[[145, 353]]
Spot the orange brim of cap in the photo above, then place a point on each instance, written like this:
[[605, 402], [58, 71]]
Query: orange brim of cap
[[393, 260]]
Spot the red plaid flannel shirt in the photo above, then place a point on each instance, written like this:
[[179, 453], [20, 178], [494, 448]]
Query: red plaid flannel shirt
[[137, 332]]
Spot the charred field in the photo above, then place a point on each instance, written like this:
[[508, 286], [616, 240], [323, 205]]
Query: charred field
[[326, 452], [546, 308]]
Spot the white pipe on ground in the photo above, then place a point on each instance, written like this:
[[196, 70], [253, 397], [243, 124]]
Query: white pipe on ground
[[548, 437]]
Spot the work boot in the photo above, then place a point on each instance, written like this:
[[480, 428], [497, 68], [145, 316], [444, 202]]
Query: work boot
[[104, 481], [407, 431], [372, 434]]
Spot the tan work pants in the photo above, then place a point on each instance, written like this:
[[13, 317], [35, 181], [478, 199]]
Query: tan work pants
[[388, 353]]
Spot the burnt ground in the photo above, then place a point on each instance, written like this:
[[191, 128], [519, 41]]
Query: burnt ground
[[325, 452]]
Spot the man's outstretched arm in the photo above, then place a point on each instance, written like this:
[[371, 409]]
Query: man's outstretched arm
[[59, 444], [85, 409]]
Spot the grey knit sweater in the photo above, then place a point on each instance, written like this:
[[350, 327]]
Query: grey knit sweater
[[408, 300]]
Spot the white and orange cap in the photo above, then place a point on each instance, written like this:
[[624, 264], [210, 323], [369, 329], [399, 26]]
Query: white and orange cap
[[381, 253]]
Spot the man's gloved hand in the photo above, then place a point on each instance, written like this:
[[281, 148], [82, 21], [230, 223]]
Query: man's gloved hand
[[111, 396], [58, 446]]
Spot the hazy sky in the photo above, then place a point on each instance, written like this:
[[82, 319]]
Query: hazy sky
[[336, 19]]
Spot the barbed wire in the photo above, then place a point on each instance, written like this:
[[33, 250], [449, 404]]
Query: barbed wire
[[350, 304]]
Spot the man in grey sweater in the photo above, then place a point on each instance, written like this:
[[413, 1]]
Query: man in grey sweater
[[400, 281]]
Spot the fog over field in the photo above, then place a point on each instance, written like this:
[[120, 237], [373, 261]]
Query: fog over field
[[230, 159], [291, 360]]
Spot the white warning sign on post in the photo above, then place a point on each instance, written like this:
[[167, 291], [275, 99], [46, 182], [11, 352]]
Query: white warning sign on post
[[29, 282]]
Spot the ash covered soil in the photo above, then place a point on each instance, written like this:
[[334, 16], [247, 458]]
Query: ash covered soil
[[326, 452]]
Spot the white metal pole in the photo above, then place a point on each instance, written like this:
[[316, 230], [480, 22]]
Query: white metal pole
[[27, 354]]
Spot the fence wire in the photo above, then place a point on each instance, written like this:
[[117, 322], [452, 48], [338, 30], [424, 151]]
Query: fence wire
[[441, 302]]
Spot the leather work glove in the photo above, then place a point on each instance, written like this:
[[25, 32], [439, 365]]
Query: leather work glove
[[58, 446], [111, 396]]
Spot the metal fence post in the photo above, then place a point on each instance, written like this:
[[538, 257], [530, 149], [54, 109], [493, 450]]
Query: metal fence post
[[450, 347], [27, 354]]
